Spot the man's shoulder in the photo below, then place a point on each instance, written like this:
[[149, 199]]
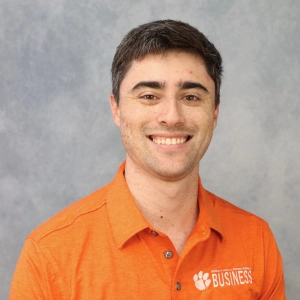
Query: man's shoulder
[[79, 211], [232, 213]]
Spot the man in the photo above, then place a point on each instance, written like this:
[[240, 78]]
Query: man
[[154, 232]]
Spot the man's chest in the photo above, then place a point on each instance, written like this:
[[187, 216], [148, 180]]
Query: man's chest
[[151, 269]]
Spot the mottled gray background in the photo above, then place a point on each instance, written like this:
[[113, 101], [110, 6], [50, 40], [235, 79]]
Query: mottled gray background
[[57, 138]]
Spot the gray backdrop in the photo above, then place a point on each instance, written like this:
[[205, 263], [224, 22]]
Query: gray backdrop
[[57, 138]]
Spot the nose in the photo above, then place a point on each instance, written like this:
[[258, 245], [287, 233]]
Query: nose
[[171, 113]]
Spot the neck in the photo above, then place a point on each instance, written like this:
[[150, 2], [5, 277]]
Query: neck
[[169, 206]]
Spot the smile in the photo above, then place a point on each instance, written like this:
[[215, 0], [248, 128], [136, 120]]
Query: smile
[[169, 140]]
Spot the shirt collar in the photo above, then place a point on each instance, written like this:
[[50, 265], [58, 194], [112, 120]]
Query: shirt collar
[[208, 212], [126, 219]]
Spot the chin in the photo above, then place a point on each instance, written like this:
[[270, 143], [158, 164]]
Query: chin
[[172, 173]]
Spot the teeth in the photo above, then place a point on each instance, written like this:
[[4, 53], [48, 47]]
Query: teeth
[[169, 141]]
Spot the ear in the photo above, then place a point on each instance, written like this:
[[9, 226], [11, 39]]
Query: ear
[[115, 110], [216, 115]]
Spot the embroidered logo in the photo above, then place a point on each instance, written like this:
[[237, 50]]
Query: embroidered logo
[[201, 281]]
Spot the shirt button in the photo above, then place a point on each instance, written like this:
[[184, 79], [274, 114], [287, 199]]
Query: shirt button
[[154, 233], [168, 254], [178, 286]]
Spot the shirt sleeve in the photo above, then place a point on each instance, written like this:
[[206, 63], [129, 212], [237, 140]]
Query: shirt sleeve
[[273, 287], [32, 278]]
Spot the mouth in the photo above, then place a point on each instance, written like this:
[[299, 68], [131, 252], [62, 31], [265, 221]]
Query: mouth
[[161, 140]]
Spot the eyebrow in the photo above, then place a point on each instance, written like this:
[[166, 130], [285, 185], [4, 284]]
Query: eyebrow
[[149, 84], [160, 85], [192, 85]]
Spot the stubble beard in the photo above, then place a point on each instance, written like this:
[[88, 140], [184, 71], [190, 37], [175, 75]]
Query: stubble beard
[[170, 171], [168, 167]]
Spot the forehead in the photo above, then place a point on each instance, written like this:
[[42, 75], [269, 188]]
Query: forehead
[[170, 67], [164, 57]]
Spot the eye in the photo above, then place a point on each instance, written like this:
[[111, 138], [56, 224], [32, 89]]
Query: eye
[[190, 98], [148, 97]]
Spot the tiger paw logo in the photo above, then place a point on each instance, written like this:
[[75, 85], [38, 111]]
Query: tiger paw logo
[[201, 281]]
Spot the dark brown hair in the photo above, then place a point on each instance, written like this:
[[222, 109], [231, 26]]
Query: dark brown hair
[[160, 37]]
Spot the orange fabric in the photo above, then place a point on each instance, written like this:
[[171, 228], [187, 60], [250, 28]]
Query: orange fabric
[[101, 247]]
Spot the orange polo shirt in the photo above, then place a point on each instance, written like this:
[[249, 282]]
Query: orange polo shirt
[[101, 247]]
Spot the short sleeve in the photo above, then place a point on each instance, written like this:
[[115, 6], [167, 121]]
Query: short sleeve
[[273, 286], [32, 278]]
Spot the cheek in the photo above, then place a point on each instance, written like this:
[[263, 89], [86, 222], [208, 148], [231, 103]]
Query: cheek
[[127, 129], [134, 119], [204, 118]]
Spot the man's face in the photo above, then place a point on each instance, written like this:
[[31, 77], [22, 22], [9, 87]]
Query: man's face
[[166, 114]]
